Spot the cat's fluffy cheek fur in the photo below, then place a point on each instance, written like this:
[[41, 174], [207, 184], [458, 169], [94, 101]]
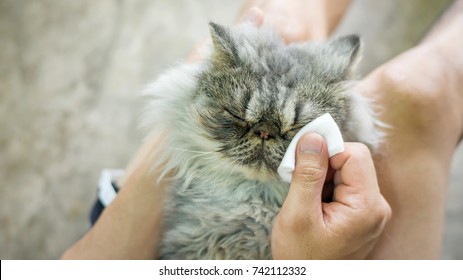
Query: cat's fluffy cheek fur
[[169, 93], [365, 126]]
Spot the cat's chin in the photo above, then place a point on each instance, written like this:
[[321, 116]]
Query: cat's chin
[[262, 175]]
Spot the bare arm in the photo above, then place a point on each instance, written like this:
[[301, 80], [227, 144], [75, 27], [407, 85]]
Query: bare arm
[[130, 227], [422, 98]]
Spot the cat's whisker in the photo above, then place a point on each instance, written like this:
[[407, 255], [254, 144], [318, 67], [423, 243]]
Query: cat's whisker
[[190, 151], [233, 170], [210, 155], [207, 157], [218, 176]]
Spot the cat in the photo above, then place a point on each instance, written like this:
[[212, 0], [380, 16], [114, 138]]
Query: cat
[[229, 120]]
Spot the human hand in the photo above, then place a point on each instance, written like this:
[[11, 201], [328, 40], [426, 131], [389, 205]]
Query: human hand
[[295, 21], [346, 227], [300, 20]]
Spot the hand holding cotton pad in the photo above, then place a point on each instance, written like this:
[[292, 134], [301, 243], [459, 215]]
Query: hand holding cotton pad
[[327, 128]]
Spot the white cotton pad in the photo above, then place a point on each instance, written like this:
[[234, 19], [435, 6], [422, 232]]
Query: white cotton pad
[[327, 128]]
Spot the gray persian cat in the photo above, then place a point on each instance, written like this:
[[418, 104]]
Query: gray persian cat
[[230, 119]]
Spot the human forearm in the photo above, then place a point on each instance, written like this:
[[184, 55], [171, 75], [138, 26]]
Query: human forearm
[[130, 227]]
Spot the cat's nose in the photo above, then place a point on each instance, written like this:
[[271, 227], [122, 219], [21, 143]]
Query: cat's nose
[[264, 131]]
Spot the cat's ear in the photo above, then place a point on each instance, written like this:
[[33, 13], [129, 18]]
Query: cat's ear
[[224, 47], [346, 54]]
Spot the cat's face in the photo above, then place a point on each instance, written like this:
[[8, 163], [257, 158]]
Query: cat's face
[[258, 93]]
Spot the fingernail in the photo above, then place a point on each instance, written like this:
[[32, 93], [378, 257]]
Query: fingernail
[[311, 143]]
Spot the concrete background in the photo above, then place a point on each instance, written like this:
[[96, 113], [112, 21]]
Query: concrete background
[[70, 75]]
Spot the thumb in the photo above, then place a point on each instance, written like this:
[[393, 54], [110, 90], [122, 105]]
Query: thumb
[[305, 194]]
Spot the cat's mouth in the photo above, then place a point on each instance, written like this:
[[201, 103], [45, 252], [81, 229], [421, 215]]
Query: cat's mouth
[[267, 162], [260, 165], [261, 173], [258, 155]]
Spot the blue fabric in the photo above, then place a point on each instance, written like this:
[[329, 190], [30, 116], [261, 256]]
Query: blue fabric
[[98, 207]]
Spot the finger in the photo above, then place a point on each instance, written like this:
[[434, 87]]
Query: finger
[[303, 202], [355, 179], [355, 167]]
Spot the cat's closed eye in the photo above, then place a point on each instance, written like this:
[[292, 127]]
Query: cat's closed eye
[[289, 134], [237, 119]]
